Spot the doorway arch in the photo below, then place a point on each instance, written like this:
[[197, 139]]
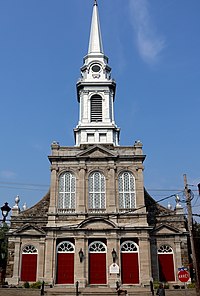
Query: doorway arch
[[65, 263], [130, 262], [97, 263]]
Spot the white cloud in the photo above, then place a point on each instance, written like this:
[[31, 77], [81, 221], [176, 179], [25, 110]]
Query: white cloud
[[149, 43], [7, 174]]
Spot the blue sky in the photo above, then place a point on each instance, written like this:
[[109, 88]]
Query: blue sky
[[153, 49]]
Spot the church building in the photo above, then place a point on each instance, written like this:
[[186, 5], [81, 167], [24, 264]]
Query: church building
[[97, 225]]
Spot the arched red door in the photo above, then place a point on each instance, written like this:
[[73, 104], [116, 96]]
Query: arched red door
[[97, 263], [129, 263], [65, 263], [29, 264], [166, 264]]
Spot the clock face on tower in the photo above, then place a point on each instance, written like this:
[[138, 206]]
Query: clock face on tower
[[96, 68]]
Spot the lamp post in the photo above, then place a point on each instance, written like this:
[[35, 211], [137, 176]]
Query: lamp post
[[5, 209]]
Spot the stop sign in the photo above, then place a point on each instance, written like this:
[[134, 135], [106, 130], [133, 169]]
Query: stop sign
[[183, 276]]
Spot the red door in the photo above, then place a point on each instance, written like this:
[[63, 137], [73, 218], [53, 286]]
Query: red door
[[29, 267], [166, 267], [97, 268], [65, 268], [130, 269]]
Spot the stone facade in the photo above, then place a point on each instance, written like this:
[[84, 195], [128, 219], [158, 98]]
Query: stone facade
[[45, 225]]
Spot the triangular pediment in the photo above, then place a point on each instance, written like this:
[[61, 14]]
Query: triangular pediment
[[29, 230], [165, 229], [97, 151]]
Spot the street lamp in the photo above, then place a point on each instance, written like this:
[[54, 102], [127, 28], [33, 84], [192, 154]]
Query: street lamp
[[5, 210], [81, 255]]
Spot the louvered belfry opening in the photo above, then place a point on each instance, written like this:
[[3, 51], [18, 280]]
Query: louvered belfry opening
[[96, 108]]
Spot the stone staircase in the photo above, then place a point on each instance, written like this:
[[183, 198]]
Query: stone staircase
[[95, 291]]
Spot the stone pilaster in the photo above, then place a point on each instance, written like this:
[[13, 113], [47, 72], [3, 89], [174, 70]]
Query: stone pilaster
[[41, 258], [81, 195], [111, 196], [113, 243], [145, 261], [50, 254], [14, 280], [177, 256], [80, 267]]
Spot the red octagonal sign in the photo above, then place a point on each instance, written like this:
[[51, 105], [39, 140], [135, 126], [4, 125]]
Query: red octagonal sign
[[183, 276]]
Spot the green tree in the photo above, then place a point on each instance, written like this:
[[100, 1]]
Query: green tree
[[3, 250]]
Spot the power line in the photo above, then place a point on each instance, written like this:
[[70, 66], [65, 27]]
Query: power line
[[24, 184], [23, 188]]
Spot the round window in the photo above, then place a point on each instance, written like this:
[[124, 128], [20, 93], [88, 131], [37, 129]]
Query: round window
[[96, 68]]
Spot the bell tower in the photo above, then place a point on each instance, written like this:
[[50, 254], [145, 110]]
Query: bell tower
[[96, 93]]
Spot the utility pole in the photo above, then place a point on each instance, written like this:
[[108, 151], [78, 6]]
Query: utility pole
[[190, 229]]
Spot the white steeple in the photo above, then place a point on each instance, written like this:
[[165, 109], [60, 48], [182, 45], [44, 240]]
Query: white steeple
[[95, 44], [96, 93]]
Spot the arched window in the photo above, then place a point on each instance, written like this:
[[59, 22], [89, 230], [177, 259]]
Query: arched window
[[29, 249], [96, 108], [165, 249], [166, 258], [96, 191], [129, 247], [67, 191], [66, 247], [97, 247], [126, 190]]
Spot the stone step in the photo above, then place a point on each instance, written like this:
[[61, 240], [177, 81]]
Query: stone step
[[97, 291]]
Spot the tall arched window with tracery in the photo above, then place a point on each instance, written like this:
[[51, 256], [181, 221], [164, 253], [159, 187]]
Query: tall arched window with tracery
[[97, 194], [127, 195], [166, 258], [67, 192]]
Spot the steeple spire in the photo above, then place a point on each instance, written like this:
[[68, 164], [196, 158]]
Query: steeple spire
[[96, 94], [95, 43]]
